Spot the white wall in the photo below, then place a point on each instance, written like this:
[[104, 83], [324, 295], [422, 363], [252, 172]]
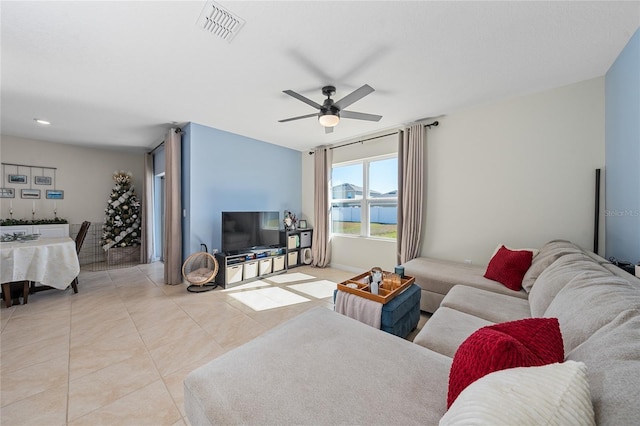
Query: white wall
[[519, 172], [84, 174]]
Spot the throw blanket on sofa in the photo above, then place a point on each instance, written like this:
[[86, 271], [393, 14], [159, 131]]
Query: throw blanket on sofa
[[361, 309]]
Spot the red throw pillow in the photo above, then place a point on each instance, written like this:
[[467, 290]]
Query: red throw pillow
[[509, 266], [524, 343]]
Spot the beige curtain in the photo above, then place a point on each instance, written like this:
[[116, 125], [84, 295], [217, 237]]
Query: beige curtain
[[147, 210], [321, 245], [173, 209], [410, 189]]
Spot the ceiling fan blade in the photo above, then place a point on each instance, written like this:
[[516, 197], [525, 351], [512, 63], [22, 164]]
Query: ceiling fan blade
[[328, 130], [360, 115], [354, 96], [298, 118], [303, 99]]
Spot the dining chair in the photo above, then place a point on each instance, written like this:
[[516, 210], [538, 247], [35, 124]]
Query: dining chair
[[82, 233], [7, 295]]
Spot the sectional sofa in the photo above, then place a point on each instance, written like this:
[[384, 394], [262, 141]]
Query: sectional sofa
[[324, 368]]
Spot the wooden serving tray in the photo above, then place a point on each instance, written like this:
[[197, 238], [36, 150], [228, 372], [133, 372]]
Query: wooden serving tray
[[364, 290]]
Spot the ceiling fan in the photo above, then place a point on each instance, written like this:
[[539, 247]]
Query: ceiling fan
[[330, 111]]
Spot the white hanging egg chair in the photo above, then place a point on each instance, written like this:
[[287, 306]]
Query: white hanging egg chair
[[200, 270]]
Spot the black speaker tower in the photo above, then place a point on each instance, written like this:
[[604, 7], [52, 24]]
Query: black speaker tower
[[596, 223]]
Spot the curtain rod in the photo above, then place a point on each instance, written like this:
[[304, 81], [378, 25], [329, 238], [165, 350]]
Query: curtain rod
[[26, 165], [178, 130], [434, 124], [157, 146]]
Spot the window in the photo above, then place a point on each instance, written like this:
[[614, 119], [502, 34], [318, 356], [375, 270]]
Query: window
[[364, 197]]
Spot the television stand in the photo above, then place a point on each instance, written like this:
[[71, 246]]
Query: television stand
[[242, 266], [297, 244]]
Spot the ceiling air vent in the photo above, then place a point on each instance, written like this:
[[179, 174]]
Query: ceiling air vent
[[218, 21]]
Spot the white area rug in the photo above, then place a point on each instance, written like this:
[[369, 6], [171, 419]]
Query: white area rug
[[318, 289], [268, 298], [288, 278], [252, 284]]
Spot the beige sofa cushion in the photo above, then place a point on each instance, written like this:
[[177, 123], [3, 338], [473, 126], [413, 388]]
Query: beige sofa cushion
[[447, 329], [439, 276], [596, 258], [612, 356], [557, 275], [588, 302], [548, 254], [486, 304], [615, 270], [320, 368]]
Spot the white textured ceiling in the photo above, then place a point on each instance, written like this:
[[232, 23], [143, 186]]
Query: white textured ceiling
[[117, 74]]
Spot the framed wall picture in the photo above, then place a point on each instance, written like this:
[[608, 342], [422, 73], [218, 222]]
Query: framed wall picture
[[17, 178], [30, 193], [7, 193], [42, 180], [55, 194], [302, 224]]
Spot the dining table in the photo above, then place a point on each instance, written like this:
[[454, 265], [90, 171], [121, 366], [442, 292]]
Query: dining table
[[48, 261]]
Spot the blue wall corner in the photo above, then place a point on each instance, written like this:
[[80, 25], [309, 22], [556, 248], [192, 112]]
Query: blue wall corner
[[622, 154], [224, 171]]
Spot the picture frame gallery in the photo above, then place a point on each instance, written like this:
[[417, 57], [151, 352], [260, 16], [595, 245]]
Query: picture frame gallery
[[37, 175]]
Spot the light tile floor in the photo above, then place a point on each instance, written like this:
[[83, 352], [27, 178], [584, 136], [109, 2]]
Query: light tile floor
[[117, 352]]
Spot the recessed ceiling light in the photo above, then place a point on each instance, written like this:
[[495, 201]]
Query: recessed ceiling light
[[39, 121]]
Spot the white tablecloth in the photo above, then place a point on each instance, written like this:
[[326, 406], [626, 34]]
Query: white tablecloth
[[50, 261]]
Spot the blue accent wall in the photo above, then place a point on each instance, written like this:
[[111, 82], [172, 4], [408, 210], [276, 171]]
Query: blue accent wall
[[159, 161], [622, 153], [158, 201], [223, 171]]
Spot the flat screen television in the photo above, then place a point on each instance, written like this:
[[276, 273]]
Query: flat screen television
[[249, 230]]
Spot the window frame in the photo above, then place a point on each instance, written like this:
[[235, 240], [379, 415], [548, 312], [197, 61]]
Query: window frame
[[366, 202]]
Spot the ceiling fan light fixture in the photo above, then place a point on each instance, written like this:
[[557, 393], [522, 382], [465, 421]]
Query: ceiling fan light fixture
[[330, 112], [328, 119]]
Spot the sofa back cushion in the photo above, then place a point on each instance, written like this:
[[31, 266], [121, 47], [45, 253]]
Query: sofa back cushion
[[590, 301], [556, 276], [548, 254], [612, 356], [597, 258], [619, 272]]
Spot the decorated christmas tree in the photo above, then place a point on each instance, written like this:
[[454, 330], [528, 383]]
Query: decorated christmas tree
[[122, 216]]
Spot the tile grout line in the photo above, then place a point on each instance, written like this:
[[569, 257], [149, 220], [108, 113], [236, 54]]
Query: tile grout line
[[69, 362], [176, 297], [148, 351], [7, 321], [69, 371], [66, 418]]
